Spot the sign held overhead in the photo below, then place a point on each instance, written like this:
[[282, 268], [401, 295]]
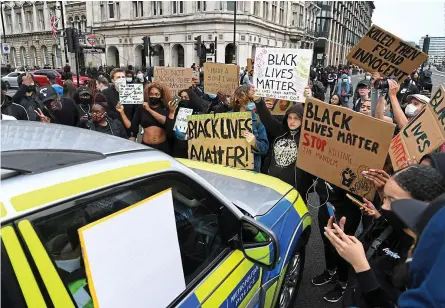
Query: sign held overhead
[[131, 94], [220, 78], [383, 52], [176, 78]]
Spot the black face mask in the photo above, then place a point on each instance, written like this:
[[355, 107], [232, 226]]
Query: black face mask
[[394, 221], [85, 101], [155, 101]]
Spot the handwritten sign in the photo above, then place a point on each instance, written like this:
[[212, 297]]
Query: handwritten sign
[[176, 78], [181, 119], [337, 144], [422, 135], [220, 77], [219, 139], [131, 94], [383, 52], [282, 73]]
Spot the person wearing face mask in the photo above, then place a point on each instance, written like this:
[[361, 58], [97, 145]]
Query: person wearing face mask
[[415, 104], [56, 109], [83, 100], [118, 78], [345, 89], [152, 116], [140, 77], [9, 108], [242, 101], [26, 95], [286, 136], [129, 77], [377, 276], [332, 80], [100, 122], [336, 100]]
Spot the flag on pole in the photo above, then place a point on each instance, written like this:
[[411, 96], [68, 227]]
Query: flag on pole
[[54, 22]]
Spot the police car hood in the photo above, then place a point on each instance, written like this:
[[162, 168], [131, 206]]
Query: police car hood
[[247, 190]]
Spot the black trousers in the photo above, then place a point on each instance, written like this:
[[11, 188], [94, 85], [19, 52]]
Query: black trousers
[[353, 215], [164, 147]]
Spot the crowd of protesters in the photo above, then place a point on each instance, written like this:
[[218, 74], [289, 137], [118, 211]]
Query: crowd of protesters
[[369, 270]]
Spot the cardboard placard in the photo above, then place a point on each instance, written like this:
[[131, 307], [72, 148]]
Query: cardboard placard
[[422, 135], [337, 144], [282, 73], [176, 78], [113, 242], [220, 78], [250, 64], [219, 139], [131, 94], [383, 52], [181, 119]]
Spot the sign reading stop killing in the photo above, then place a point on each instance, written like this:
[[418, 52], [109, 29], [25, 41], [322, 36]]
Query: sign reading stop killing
[[282, 73], [383, 52]]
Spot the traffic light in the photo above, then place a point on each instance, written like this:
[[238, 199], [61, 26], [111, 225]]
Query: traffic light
[[426, 45], [198, 45], [212, 47], [69, 39]]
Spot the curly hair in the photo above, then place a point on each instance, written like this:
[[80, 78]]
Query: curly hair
[[240, 97], [165, 92], [422, 182]]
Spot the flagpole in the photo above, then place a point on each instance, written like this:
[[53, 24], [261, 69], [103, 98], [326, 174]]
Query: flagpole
[[63, 28]]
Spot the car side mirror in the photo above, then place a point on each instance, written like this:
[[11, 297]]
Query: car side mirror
[[258, 244]]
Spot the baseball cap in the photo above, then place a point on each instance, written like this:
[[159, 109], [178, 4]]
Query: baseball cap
[[416, 214], [421, 98], [47, 93], [364, 82]]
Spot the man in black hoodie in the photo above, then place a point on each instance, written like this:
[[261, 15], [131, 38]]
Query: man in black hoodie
[[26, 95], [12, 109], [285, 147]]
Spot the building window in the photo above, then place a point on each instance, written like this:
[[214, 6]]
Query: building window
[[41, 19], [157, 8], [274, 11], [231, 5], [110, 9], [300, 20], [256, 8], [18, 18], [29, 19], [178, 7], [201, 6], [9, 23], [83, 24], [265, 9], [282, 12], [174, 8], [138, 8], [77, 22], [209, 37]]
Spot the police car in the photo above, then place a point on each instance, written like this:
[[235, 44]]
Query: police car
[[241, 235]]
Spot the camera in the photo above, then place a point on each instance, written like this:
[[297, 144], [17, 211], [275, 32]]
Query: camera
[[381, 84]]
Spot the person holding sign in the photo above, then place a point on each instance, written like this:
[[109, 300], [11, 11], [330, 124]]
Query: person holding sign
[[151, 115], [285, 147], [242, 101]]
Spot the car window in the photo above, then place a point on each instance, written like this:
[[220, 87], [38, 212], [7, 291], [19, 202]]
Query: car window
[[13, 74], [203, 225], [40, 73]]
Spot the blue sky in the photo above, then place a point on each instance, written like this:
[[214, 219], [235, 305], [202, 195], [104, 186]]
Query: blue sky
[[410, 20]]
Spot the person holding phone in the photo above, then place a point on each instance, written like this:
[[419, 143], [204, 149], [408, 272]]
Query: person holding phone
[[378, 256]]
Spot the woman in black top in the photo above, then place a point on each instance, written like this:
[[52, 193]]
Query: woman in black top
[[152, 115]]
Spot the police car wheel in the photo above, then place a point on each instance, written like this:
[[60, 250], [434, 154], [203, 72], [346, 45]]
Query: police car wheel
[[292, 278]]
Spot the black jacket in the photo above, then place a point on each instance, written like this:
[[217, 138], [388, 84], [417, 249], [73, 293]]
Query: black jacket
[[15, 110], [30, 103], [385, 281], [112, 96], [284, 150], [117, 128], [69, 115]]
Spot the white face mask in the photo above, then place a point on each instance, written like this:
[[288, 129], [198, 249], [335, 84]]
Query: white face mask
[[119, 82], [129, 79], [140, 76], [411, 110]]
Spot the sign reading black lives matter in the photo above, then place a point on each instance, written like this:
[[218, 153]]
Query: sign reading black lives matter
[[282, 73], [383, 52], [337, 144], [131, 94], [219, 139]]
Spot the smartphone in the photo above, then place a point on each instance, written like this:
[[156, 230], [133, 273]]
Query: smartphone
[[331, 211], [357, 202], [177, 98]]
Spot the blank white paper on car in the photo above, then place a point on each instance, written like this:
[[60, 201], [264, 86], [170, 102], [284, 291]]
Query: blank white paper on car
[[132, 257]]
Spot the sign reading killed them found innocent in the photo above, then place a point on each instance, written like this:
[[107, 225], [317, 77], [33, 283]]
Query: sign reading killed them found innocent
[[383, 52], [176, 78], [422, 135], [219, 139], [220, 78], [337, 144]]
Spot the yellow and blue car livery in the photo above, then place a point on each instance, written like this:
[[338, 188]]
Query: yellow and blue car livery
[[92, 162]]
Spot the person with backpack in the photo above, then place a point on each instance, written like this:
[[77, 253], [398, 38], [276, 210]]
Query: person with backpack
[[318, 90]]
